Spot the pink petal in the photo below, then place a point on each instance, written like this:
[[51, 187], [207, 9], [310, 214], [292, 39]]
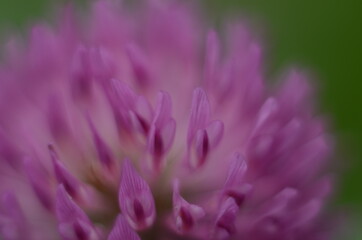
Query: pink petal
[[56, 117], [121, 230], [268, 109], [308, 212], [144, 109], [64, 177], [281, 201], [186, 214], [235, 187], [295, 91], [200, 113], [66, 209], [81, 76], [167, 133], [39, 181], [204, 141], [8, 150], [215, 131], [225, 222], [163, 109], [104, 153], [13, 223], [135, 198], [202, 147], [237, 171], [160, 141], [73, 223], [138, 64], [123, 95], [212, 57], [103, 65]]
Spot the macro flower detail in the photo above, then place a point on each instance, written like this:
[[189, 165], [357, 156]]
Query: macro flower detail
[[122, 230], [138, 122], [73, 222], [186, 214], [135, 198], [203, 135]]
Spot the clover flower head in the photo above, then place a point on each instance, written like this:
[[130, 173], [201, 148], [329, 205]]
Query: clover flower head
[[140, 123]]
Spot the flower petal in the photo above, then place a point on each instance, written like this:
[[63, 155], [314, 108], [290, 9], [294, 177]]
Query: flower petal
[[121, 230], [13, 224], [39, 181], [225, 221], [215, 131], [144, 113], [267, 110], [81, 76], [186, 214], [202, 148], [237, 171], [167, 133], [211, 58], [73, 223], [70, 183], [104, 153], [135, 198], [138, 64], [163, 109], [200, 113], [66, 209]]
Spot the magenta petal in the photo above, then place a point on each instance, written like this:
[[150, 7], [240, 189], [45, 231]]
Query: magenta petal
[[308, 212], [13, 224], [212, 57], [56, 116], [160, 140], [122, 99], [225, 222], [64, 177], [73, 223], [66, 209], [143, 109], [162, 131], [123, 94], [281, 201], [202, 147], [8, 150], [186, 214], [103, 65], [268, 109], [215, 131], [138, 64], [155, 146], [39, 181], [167, 133], [235, 186], [104, 153], [135, 198], [200, 113], [236, 172], [163, 110], [122, 231], [295, 91], [81, 77], [78, 230]]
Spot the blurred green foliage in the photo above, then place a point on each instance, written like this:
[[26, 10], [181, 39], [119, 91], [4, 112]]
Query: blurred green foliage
[[323, 36], [16, 13]]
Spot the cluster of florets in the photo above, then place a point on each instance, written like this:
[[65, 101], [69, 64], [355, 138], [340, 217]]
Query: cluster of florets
[[141, 125]]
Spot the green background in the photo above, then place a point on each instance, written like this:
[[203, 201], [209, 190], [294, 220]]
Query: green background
[[319, 35]]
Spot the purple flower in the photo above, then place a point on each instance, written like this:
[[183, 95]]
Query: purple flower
[[138, 123]]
